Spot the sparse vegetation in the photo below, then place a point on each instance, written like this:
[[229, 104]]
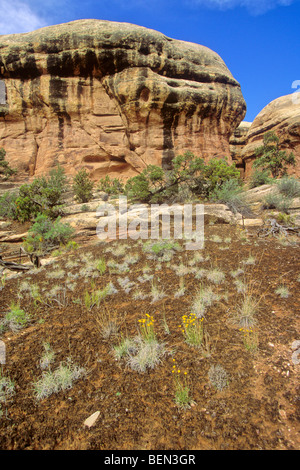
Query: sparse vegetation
[[5, 170], [124, 338], [15, 319], [218, 377], [83, 186], [62, 378], [46, 234]]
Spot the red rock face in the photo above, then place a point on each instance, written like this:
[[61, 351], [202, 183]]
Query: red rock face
[[282, 116], [113, 98]]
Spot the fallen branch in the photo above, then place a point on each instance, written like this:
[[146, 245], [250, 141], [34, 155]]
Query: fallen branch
[[274, 229]]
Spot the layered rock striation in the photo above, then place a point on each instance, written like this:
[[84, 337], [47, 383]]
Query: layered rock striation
[[112, 97]]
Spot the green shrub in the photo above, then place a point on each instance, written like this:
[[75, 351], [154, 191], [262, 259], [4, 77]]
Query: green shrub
[[217, 172], [15, 319], [8, 207], [231, 193], [277, 201], [44, 195], [189, 175], [111, 185], [289, 187], [83, 186], [46, 234], [5, 170], [259, 177]]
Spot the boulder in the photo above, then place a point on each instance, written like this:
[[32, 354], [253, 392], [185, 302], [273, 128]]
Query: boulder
[[282, 116], [113, 98]]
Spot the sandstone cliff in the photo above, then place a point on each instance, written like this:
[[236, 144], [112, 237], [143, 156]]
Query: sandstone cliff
[[237, 142], [112, 97], [282, 116]]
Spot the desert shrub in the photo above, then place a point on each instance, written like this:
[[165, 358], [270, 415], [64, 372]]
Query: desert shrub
[[259, 177], [15, 319], [231, 193], [285, 219], [46, 234], [218, 377], [148, 186], [44, 195], [217, 172], [83, 186], [58, 380], [8, 208], [141, 354], [188, 176], [162, 249], [277, 201], [5, 170], [289, 187], [111, 185]]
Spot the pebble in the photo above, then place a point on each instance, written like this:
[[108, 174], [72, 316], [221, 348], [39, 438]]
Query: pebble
[[90, 421]]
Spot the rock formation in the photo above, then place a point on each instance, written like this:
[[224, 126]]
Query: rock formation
[[282, 116], [112, 97], [237, 142]]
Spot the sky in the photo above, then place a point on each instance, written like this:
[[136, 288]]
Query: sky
[[259, 40]]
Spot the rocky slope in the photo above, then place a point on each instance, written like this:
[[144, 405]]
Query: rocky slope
[[112, 97]]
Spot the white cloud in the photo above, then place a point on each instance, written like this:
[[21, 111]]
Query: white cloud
[[255, 7], [18, 17]]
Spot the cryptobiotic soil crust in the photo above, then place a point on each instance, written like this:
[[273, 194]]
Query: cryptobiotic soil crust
[[257, 407]]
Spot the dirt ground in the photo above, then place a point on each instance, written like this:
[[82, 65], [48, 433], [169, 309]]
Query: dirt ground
[[258, 409]]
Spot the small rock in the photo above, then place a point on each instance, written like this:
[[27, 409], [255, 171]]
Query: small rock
[[90, 421], [296, 344]]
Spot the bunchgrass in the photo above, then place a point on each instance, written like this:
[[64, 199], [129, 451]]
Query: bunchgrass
[[7, 388], [204, 298], [215, 275], [48, 357], [218, 377], [246, 312], [58, 380], [145, 354], [283, 292], [106, 322]]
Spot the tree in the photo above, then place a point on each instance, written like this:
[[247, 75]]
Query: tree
[[5, 169], [155, 184], [83, 186], [44, 195], [188, 172], [269, 156]]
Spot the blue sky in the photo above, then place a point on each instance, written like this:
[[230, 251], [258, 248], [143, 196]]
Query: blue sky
[[259, 40]]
